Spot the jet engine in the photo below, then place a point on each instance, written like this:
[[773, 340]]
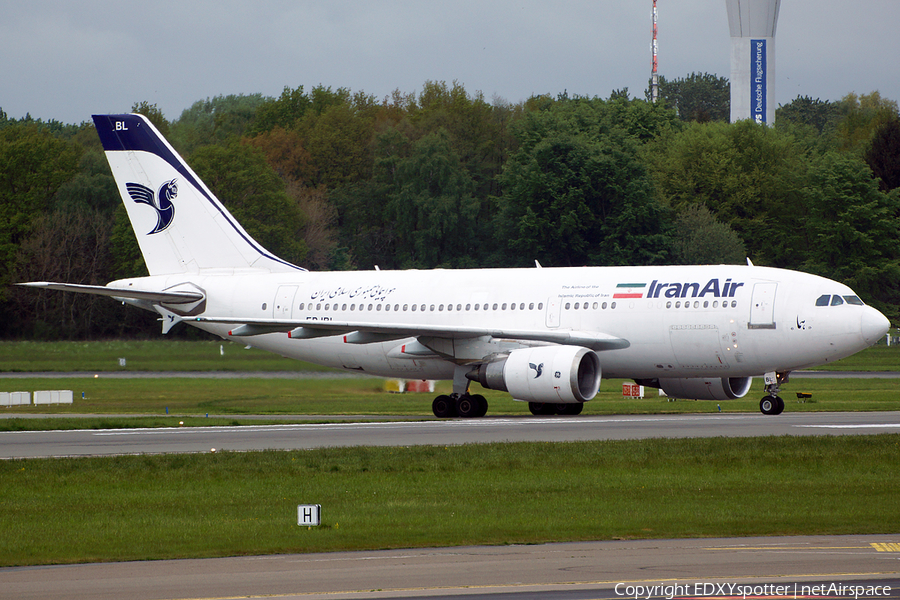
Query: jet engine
[[548, 374], [699, 388]]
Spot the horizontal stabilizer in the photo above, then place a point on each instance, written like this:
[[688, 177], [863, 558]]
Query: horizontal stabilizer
[[181, 297]]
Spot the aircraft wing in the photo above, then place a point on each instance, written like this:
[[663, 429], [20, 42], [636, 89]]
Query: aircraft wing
[[361, 333], [179, 297]]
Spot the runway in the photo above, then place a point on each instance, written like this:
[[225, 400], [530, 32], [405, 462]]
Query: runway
[[769, 568], [37, 444]]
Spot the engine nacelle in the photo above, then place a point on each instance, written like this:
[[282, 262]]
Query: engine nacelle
[[549, 374], [712, 388]]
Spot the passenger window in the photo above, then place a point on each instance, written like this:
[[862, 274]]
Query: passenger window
[[836, 300], [853, 300], [823, 300]]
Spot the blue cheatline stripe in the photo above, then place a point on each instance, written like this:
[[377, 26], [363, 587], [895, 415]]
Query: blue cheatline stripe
[[134, 136]]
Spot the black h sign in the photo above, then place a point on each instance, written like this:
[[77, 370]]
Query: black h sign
[[309, 515]]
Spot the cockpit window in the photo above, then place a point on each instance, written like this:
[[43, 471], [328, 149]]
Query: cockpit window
[[853, 300], [823, 300], [836, 300]]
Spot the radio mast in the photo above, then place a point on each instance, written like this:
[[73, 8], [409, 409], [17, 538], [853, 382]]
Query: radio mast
[[654, 76]]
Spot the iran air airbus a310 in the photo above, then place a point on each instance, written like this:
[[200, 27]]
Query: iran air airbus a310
[[545, 335]]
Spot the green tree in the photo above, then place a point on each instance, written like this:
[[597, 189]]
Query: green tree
[[862, 115], [35, 165], [701, 239], [214, 121], [700, 97], [577, 193], [883, 155], [153, 114], [804, 110], [432, 207], [852, 229], [284, 111], [748, 175], [242, 180]]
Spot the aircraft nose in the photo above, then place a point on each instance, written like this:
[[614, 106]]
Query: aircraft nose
[[873, 325]]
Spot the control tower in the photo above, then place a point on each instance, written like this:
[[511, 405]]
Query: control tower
[[752, 24]]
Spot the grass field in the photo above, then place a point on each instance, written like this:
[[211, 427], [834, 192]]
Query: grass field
[[144, 355], [120, 403], [172, 355], [227, 504], [177, 506]]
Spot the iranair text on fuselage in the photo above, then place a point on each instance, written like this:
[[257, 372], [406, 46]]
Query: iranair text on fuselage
[[713, 288]]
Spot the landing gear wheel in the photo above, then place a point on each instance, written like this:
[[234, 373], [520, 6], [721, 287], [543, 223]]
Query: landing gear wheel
[[541, 408], [482, 403], [771, 405], [569, 409], [468, 406], [443, 407]]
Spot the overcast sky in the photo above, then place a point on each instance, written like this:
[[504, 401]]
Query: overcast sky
[[66, 60]]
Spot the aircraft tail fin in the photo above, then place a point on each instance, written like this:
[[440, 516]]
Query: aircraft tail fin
[[179, 223]]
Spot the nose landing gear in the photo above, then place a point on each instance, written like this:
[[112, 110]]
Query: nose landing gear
[[772, 404]]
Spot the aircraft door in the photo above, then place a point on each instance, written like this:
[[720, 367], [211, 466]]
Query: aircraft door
[[283, 306], [762, 306], [553, 306]]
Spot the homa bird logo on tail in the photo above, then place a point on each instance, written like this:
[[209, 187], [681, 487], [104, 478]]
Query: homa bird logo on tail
[[160, 202]]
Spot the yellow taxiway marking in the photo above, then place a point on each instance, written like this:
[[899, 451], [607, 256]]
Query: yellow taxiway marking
[[886, 546]]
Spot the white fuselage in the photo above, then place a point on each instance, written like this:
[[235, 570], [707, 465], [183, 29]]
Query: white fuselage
[[707, 321]]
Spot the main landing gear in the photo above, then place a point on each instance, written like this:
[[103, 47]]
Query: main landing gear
[[772, 404], [460, 403], [467, 406]]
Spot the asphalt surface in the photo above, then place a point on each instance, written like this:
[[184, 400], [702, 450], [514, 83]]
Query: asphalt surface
[[34, 444], [765, 568]]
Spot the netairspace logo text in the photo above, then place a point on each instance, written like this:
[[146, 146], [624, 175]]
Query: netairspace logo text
[[736, 590]]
